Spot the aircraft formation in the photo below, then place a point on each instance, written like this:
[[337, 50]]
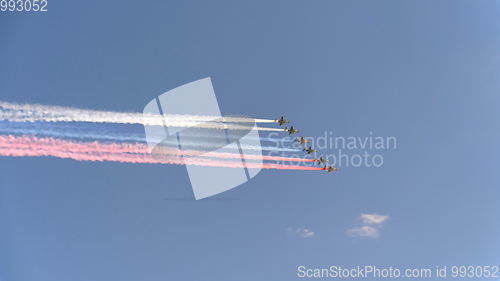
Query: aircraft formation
[[303, 141]]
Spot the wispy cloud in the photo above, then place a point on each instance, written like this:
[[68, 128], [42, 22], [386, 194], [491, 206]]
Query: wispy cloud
[[364, 231], [371, 225], [301, 232], [373, 218]]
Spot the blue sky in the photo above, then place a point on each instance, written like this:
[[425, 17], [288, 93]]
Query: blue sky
[[425, 72]]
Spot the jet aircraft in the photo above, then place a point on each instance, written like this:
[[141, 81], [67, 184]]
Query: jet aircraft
[[291, 130], [302, 140], [330, 169], [321, 160], [310, 150], [282, 121]]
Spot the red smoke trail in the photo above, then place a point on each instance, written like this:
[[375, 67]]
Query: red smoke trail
[[65, 145], [118, 152], [27, 142], [79, 156]]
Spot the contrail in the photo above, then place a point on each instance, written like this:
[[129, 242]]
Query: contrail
[[21, 146], [33, 112]]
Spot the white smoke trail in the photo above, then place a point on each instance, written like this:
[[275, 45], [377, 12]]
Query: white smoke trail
[[32, 113]]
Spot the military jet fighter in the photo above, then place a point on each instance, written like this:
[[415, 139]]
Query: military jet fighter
[[310, 150], [330, 169], [321, 160], [282, 121], [292, 130], [302, 140]]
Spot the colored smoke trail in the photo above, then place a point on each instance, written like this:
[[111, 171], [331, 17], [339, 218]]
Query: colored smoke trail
[[21, 146], [119, 157], [143, 159], [75, 131], [34, 113]]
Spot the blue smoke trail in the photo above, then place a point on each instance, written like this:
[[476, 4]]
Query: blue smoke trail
[[86, 131]]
